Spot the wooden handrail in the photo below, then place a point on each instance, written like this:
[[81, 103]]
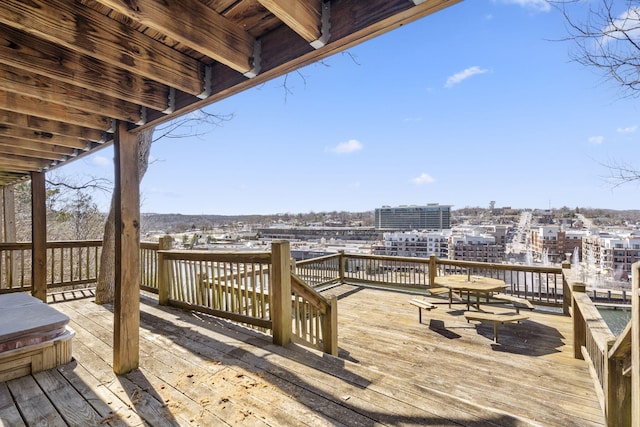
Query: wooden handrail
[[317, 300]]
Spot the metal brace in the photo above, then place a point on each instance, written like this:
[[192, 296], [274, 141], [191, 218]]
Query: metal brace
[[143, 116], [112, 129], [417, 2], [326, 26], [257, 51], [206, 86], [171, 104]]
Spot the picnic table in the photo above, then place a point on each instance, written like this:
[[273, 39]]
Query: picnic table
[[463, 283]]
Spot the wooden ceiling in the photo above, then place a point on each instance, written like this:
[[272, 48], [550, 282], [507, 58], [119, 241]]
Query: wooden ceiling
[[70, 69]]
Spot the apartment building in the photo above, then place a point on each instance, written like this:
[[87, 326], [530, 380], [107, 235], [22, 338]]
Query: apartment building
[[476, 246], [555, 242], [414, 244], [433, 216], [612, 254]]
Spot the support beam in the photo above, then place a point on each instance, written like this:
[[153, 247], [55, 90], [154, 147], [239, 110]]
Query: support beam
[[126, 308], [47, 89], [38, 237], [59, 112], [40, 140], [195, 25], [9, 228], [302, 16], [31, 54], [89, 32], [44, 129], [23, 148]]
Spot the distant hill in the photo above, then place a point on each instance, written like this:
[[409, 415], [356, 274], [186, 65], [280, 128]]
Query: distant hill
[[176, 223]]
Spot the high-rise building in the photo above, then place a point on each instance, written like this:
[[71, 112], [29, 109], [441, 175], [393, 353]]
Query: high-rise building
[[433, 216]]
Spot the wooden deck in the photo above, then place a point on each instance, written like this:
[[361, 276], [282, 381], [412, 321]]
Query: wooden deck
[[196, 370]]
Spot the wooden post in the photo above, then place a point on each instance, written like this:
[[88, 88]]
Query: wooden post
[[342, 260], [433, 270], [566, 291], [126, 308], [281, 292], [38, 237], [164, 284], [579, 328], [635, 346], [330, 328], [9, 226]]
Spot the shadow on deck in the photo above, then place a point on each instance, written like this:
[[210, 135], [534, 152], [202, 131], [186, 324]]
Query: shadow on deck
[[391, 370]]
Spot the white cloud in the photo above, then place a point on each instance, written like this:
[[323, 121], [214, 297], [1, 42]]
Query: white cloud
[[102, 161], [424, 178], [347, 147], [463, 75], [629, 129], [596, 139], [537, 5], [625, 26]]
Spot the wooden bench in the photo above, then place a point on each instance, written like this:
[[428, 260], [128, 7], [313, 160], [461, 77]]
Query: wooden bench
[[495, 318], [517, 302], [422, 305]]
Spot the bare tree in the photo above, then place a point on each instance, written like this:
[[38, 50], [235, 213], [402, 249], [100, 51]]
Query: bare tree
[[194, 124], [607, 39]]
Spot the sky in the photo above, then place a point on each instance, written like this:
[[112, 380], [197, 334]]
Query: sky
[[476, 103]]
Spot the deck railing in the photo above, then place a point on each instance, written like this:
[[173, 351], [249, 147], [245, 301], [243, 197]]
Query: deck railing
[[542, 285], [241, 287], [612, 361], [69, 264], [315, 318], [253, 288]]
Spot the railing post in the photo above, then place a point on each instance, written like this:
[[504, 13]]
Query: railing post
[[635, 345], [163, 280], [616, 392], [281, 292], [165, 243], [341, 267], [433, 270], [566, 292], [330, 328], [579, 327]]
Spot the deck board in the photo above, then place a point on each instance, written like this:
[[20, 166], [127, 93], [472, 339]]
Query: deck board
[[391, 370]]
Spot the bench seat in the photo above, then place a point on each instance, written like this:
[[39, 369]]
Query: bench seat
[[495, 318], [422, 305], [517, 302]]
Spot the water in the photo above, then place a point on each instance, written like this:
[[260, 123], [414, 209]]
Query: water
[[617, 319]]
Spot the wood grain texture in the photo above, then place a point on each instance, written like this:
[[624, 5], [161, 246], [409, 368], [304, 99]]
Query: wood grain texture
[[390, 369], [127, 252]]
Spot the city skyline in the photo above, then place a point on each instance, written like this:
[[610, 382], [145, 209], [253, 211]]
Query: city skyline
[[464, 114]]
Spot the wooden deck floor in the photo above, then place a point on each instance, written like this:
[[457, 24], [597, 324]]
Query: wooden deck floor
[[196, 370]]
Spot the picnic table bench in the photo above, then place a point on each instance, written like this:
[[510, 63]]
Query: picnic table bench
[[517, 302], [495, 318], [422, 305]]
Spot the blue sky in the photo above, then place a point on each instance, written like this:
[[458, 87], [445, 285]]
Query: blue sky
[[475, 103]]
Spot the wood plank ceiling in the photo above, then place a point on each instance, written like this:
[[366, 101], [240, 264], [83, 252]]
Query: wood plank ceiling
[[70, 69]]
